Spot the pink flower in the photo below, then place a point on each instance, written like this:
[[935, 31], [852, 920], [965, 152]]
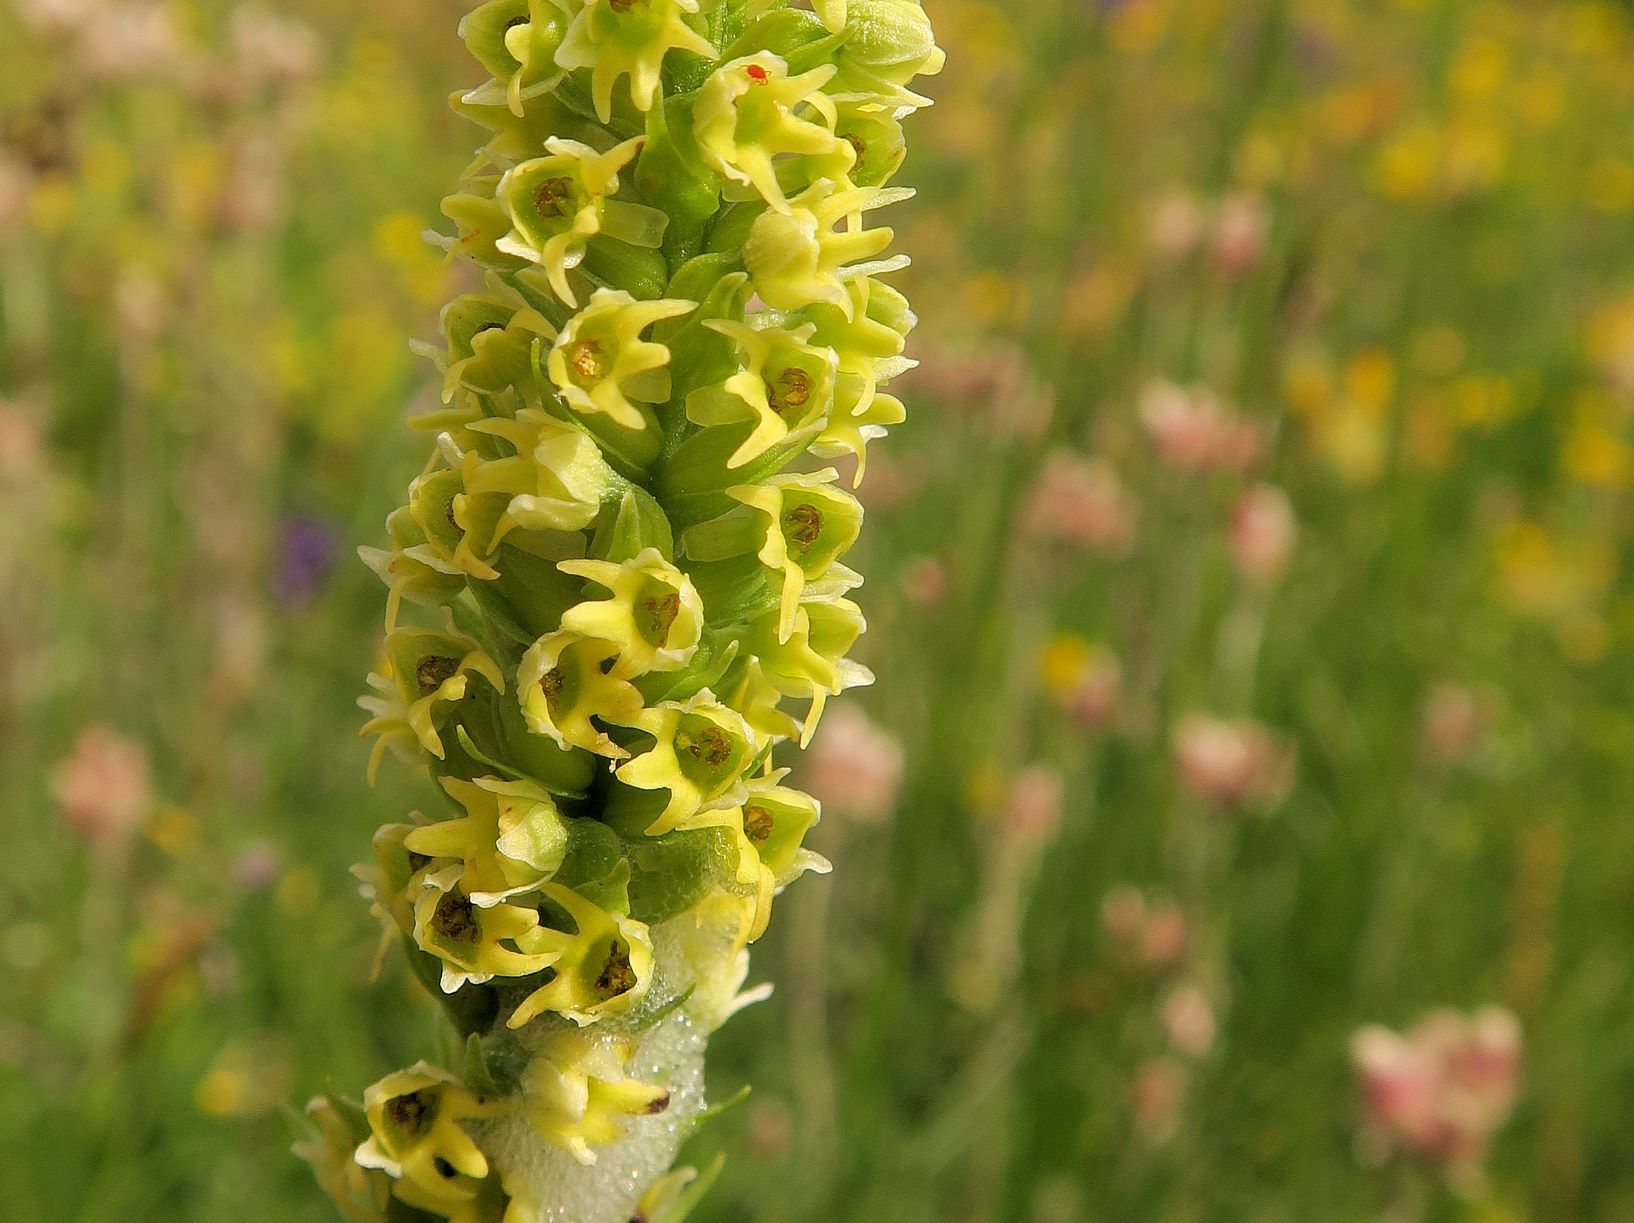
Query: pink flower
[[1240, 230], [21, 446], [1154, 935], [1263, 533], [1080, 501], [1123, 914], [1441, 1091], [924, 582], [1176, 225], [130, 40], [273, 50], [1158, 1090], [1094, 700], [1163, 941], [1232, 764], [1188, 1020], [854, 767], [1454, 720], [1032, 812], [992, 384], [103, 786], [1193, 431]]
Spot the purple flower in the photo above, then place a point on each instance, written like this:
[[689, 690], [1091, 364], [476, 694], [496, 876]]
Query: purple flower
[[306, 555]]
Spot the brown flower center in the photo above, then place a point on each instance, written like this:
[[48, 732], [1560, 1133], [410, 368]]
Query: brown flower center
[[552, 198], [617, 976], [408, 1113], [658, 614], [789, 391], [710, 747], [434, 671], [757, 824], [551, 684], [455, 919], [802, 525]]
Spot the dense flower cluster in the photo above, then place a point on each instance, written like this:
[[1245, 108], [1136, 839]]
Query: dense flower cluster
[[621, 561]]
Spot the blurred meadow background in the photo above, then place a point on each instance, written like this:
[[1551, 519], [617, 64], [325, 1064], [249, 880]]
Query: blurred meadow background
[[1249, 591]]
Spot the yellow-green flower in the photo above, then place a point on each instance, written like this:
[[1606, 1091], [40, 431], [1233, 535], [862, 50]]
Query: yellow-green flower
[[746, 689], [600, 364], [516, 40], [359, 1193], [457, 527], [562, 684], [510, 839], [797, 525], [700, 751], [615, 38], [857, 419], [786, 385], [389, 884], [776, 819], [423, 670], [890, 42], [470, 939], [556, 479], [490, 341], [810, 660], [557, 203], [409, 570], [577, 1092], [798, 258], [602, 968], [416, 1135], [750, 112], [654, 612], [867, 335], [830, 12]]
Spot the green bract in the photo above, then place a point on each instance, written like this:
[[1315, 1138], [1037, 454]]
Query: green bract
[[617, 589]]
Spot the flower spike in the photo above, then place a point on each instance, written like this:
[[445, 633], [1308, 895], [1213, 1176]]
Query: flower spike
[[616, 589]]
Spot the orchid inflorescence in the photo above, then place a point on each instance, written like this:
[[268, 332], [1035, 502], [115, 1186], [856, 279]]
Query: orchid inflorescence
[[622, 560]]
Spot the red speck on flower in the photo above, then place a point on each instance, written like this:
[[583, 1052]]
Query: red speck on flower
[[757, 74]]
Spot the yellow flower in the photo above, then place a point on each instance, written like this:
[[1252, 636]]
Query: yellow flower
[[798, 258], [490, 341], [786, 385], [747, 116], [556, 204], [410, 572], [700, 751], [766, 830], [797, 526], [555, 481], [868, 335], [859, 417], [510, 840], [576, 1092], [654, 615], [562, 686], [810, 661], [600, 364], [415, 1131], [457, 528], [615, 38], [470, 939], [516, 40], [423, 670], [602, 968], [360, 1194]]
